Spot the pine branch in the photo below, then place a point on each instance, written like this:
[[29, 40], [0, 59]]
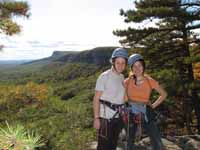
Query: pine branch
[[190, 4], [197, 26], [9, 27], [8, 9], [196, 41], [15, 8]]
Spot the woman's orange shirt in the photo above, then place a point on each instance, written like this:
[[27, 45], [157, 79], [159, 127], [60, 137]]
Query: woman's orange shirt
[[142, 92]]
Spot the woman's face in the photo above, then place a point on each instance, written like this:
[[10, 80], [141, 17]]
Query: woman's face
[[120, 64], [138, 68]]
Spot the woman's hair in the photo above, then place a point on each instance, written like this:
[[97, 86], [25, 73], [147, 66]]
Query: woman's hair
[[143, 65], [131, 72]]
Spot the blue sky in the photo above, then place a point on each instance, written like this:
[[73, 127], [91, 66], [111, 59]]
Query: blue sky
[[65, 25]]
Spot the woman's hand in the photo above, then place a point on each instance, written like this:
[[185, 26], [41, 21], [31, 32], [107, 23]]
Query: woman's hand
[[96, 105], [96, 123], [161, 98], [150, 104]]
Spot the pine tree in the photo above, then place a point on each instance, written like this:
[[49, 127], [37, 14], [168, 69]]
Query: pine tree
[[170, 46], [8, 10]]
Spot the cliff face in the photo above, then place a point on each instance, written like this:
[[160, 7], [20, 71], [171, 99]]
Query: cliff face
[[58, 54], [98, 56]]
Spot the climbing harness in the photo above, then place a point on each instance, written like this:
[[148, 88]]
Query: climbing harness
[[118, 108], [137, 120]]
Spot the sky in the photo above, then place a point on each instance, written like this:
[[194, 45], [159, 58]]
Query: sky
[[65, 25]]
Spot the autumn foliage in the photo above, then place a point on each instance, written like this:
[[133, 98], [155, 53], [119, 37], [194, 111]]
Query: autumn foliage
[[21, 95], [196, 67]]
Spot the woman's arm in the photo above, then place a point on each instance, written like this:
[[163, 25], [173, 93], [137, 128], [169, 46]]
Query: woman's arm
[[125, 84], [96, 109], [161, 98], [125, 94]]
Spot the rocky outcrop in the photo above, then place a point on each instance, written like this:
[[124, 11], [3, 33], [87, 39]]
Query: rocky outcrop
[[187, 142], [98, 56]]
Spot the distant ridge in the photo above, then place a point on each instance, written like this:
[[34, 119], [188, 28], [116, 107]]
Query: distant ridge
[[13, 62], [98, 56], [8, 64], [56, 55]]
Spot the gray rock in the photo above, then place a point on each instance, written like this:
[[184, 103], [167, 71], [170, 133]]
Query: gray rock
[[170, 143], [189, 142], [192, 145]]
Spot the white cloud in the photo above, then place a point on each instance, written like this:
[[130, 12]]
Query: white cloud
[[19, 49]]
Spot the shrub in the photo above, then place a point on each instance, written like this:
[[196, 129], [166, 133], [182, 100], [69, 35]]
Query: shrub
[[17, 138], [15, 97]]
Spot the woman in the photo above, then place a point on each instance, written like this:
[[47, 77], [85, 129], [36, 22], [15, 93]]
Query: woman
[[138, 88], [109, 97]]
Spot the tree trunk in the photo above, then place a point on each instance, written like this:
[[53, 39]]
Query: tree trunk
[[189, 78], [186, 97], [196, 105], [194, 98]]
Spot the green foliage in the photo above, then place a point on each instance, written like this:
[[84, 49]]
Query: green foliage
[[47, 73], [17, 138], [62, 124], [170, 47], [70, 89], [63, 121], [8, 10]]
